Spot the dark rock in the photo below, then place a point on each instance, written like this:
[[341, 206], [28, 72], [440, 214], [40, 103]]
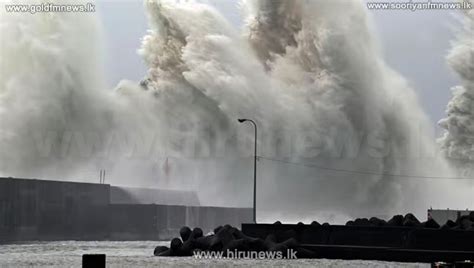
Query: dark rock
[[228, 227], [471, 216], [411, 221], [160, 249], [396, 220], [451, 223], [270, 241], [361, 222], [256, 244], [191, 243], [271, 238], [315, 224], [279, 248], [300, 224], [374, 221], [204, 242], [222, 238], [226, 234], [448, 225], [444, 227], [175, 248], [461, 218], [432, 224], [271, 244], [197, 233], [216, 244], [217, 229], [464, 223], [350, 223], [187, 248], [240, 235], [166, 253], [235, 232], [277, 223], [176, 244], [238, 244], [185, 233], [326, 224]]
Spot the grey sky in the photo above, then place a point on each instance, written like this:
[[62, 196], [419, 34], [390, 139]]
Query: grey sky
[[414, 43], [124, 23]]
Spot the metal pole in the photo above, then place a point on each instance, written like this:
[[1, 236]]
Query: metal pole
[[254, 169], [255, 176]]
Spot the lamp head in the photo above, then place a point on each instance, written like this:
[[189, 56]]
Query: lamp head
[[242, 120]]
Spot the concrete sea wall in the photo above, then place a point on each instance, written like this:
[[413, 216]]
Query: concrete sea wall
[[54, 210]]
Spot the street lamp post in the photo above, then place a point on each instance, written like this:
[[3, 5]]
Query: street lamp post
[[254, 169]]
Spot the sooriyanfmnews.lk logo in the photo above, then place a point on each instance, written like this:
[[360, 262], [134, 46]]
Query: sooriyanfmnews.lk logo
[[415, 6]]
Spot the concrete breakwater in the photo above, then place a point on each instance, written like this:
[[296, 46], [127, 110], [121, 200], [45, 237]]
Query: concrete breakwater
[[57, 210], [402, 239], [227, 240]]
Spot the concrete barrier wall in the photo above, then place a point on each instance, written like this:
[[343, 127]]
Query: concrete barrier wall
[[47, 210], [133, 222], [130, 195], [393, 237], [162, 222], [51, 210]]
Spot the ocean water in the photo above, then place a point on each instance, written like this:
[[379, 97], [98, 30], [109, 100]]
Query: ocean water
[[140, 254]]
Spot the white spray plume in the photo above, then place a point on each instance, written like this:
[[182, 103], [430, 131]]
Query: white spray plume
[[309, 73], [50, 82], [458, 140]]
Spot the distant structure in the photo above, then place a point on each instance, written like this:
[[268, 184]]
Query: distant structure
[[443, 215], [41, 210], [129, 195]]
